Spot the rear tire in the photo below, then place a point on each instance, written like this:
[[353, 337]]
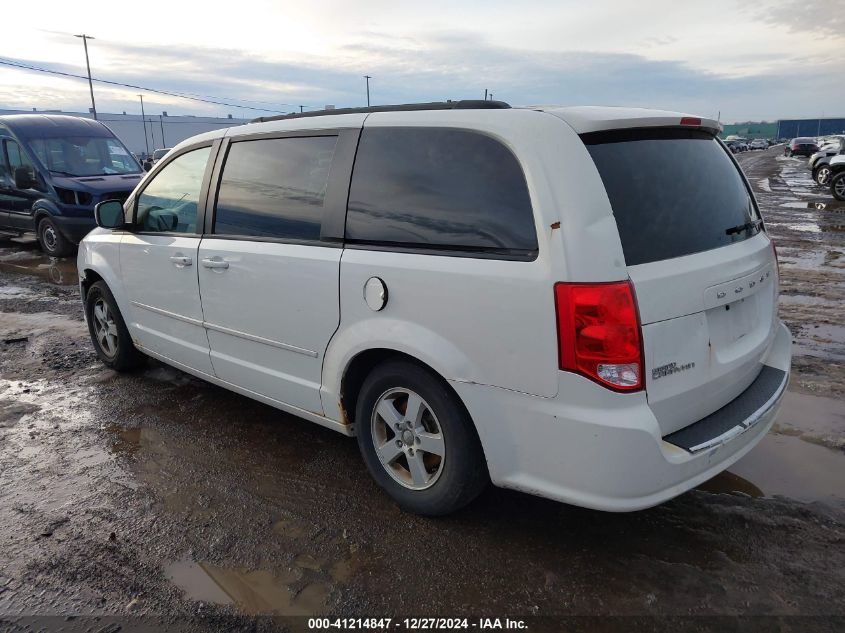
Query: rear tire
[[52, 241], [837, 186], [418, 440], [108, 330]]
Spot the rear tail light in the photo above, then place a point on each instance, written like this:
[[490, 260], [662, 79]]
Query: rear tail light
[[690, 120], [598, 331]]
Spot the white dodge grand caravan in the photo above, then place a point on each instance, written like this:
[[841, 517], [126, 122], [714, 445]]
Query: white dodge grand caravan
[[580, 303]]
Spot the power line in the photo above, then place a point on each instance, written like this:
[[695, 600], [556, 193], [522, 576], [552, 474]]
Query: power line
[[7, 62]]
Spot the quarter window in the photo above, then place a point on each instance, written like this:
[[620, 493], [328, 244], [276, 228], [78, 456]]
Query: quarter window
[[275, 188], [170, 202], [441, 189]]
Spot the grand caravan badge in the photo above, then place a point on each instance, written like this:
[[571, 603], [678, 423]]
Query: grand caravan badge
[[669, 369]]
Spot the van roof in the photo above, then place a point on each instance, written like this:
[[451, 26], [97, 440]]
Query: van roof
[[582, 119], [51, 125]]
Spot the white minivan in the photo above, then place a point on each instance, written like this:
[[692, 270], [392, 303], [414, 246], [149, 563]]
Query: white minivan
[[579, 303]]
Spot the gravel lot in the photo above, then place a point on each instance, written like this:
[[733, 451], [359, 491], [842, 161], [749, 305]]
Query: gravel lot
[[156, 494]]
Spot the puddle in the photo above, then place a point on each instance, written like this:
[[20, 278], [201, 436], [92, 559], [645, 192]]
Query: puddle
[[253, 592], [798, 459], [810, 227], [804, 300], [728, 483], [61, 271], [816, 206], [127, 441], [791, 467]]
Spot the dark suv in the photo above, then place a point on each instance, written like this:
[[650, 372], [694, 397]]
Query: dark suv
[[801, 146], [53, 170]]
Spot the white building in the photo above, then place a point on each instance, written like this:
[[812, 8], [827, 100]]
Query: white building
[[153, 131]]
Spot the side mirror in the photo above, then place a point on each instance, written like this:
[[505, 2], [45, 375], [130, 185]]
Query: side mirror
[[148, 165], [109, 214], [25, 178]]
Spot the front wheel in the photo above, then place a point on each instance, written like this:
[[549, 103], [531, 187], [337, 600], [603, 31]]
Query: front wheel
[[108, 330], [837, 186], [51, 239], [822, 175], [418, 440]]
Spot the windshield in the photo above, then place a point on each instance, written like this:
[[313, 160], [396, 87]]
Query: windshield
[[84, 156], [674, 192]]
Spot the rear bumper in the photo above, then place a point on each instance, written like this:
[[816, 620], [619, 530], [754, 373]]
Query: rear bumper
[[595, 448]]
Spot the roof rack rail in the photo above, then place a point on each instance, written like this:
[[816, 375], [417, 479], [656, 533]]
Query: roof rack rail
[[464, 104]]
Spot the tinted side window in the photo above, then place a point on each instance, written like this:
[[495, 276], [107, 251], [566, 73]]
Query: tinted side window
[[439, 188], [5, 172], [275, 187], [169, 202], [16, 157]]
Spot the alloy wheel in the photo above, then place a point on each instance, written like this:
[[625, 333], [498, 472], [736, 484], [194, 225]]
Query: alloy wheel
[[105, 328], [839, 188], [408, 438], [823, 175]]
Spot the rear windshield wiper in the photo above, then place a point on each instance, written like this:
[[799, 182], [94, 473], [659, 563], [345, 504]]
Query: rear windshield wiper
[[754, 224]]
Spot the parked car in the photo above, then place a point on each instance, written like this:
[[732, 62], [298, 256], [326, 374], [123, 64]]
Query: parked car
[[819, 162], [801, 146], [548, 300], [159, 154], [53, 170], [759, 143], [837, 176], [733, 146]]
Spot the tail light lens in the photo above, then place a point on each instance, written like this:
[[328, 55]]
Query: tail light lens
[[598, 331]]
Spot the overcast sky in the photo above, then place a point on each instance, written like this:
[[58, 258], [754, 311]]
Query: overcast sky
[[767, 59]]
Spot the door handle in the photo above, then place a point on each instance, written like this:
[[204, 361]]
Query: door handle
[[215, 262], [181, 260]]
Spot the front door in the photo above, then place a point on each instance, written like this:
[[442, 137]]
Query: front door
[[17, 203], [269, 283], [158, 261]]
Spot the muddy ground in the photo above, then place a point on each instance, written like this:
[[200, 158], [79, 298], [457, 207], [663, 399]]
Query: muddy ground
[[155, 494]]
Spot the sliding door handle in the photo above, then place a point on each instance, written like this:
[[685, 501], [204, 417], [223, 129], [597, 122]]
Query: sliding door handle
[[181, 260], [215, 262]]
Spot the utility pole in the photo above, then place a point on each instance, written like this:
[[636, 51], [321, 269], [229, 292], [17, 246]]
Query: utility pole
[[85, 39], [144, 121], [161, 123], [301, 109], [485, 94], [368, 77]]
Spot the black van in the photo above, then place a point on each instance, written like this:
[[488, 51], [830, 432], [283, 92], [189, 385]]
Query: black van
[[53, 170]]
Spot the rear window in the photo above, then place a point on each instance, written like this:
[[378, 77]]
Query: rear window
[[674, 192], [440, 189]]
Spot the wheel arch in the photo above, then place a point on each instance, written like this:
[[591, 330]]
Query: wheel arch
[[362, 364], [89, 278]]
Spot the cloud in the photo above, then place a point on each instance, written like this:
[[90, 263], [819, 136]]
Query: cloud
[[449, 64], [824, 18]]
